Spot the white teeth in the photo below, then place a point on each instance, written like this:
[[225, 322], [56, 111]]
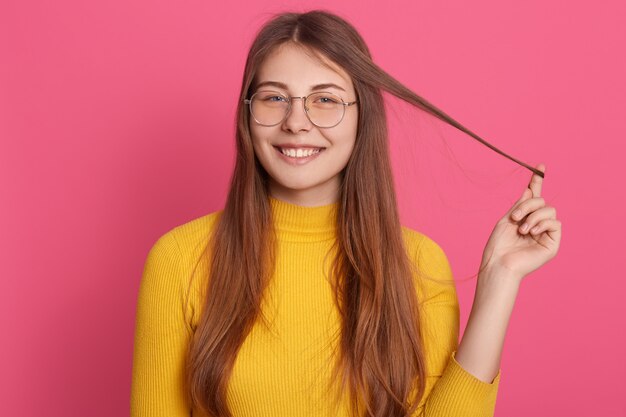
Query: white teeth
[[300, 153]]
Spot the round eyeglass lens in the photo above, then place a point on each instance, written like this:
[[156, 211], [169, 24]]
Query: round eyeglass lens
[[325, 109]]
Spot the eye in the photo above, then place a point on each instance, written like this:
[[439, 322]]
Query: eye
[[328, 100], [272, 98], [325, 99]]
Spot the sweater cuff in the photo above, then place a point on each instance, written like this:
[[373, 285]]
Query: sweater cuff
[[461, 393], [458, 371]]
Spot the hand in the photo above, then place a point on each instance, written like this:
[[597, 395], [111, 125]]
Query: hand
[[520, 251]]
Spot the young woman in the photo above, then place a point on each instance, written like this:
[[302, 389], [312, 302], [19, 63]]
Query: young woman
[[305, 296]]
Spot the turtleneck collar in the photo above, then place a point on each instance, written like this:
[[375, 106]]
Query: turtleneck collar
[[304, 224]]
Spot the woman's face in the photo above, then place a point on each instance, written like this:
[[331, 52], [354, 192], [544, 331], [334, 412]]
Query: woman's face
[[315, 180]]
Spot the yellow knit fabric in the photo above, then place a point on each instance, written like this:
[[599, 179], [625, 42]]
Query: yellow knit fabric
[[285, 371]]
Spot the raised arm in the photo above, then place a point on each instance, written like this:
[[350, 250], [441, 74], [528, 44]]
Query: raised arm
[[525, 238]]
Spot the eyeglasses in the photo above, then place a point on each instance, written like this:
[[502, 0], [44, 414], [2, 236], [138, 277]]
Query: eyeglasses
[[324, 109]]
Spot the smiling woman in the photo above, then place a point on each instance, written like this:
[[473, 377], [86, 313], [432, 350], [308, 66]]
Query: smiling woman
[[305, 295]]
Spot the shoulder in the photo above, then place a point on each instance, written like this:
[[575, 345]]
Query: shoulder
[[422, 247], [189, 239], [178, 251], [176, 265], [196, 228], [433, 272]]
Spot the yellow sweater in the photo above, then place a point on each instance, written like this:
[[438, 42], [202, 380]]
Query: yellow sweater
[[284, 373]]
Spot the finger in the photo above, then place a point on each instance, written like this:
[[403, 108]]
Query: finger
[[527, 206], [552, 227], [536, 217], [525, 196], [536, 181], [540, 227]]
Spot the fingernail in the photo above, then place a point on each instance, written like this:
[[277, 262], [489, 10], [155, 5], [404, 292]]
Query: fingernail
[[517, 214], [524, 227]]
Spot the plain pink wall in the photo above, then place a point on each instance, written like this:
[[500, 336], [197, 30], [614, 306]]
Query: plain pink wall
[[117, 124]]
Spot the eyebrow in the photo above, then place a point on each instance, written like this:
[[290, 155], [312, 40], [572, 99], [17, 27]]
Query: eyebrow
[[313, 88]]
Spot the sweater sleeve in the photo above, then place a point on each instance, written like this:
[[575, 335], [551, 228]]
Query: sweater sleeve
[[161, 336], [450, 390]]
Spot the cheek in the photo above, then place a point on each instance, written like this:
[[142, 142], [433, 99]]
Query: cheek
[[262, 149], [350, 132], [257, 140], [261, 134], [346, 140]]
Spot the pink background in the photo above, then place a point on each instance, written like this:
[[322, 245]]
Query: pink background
[[117, 124]]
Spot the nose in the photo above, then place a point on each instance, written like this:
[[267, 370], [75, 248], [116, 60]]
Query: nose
[[297, 119]]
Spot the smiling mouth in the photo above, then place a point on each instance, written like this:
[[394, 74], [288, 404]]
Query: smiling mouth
[[300, 152]]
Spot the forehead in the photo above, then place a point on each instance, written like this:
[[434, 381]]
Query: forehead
[[299, 69]]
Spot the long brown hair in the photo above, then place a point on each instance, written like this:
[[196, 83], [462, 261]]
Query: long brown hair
[[381, 358]]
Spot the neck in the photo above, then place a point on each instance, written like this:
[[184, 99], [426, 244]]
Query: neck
[[293, 222], [320, 195]]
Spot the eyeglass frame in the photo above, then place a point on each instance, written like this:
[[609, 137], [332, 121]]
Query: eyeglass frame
[[304, 98]]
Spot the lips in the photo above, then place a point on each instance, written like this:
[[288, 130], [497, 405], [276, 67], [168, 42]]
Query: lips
[[300, 151], [290, 155], [287, 145]]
